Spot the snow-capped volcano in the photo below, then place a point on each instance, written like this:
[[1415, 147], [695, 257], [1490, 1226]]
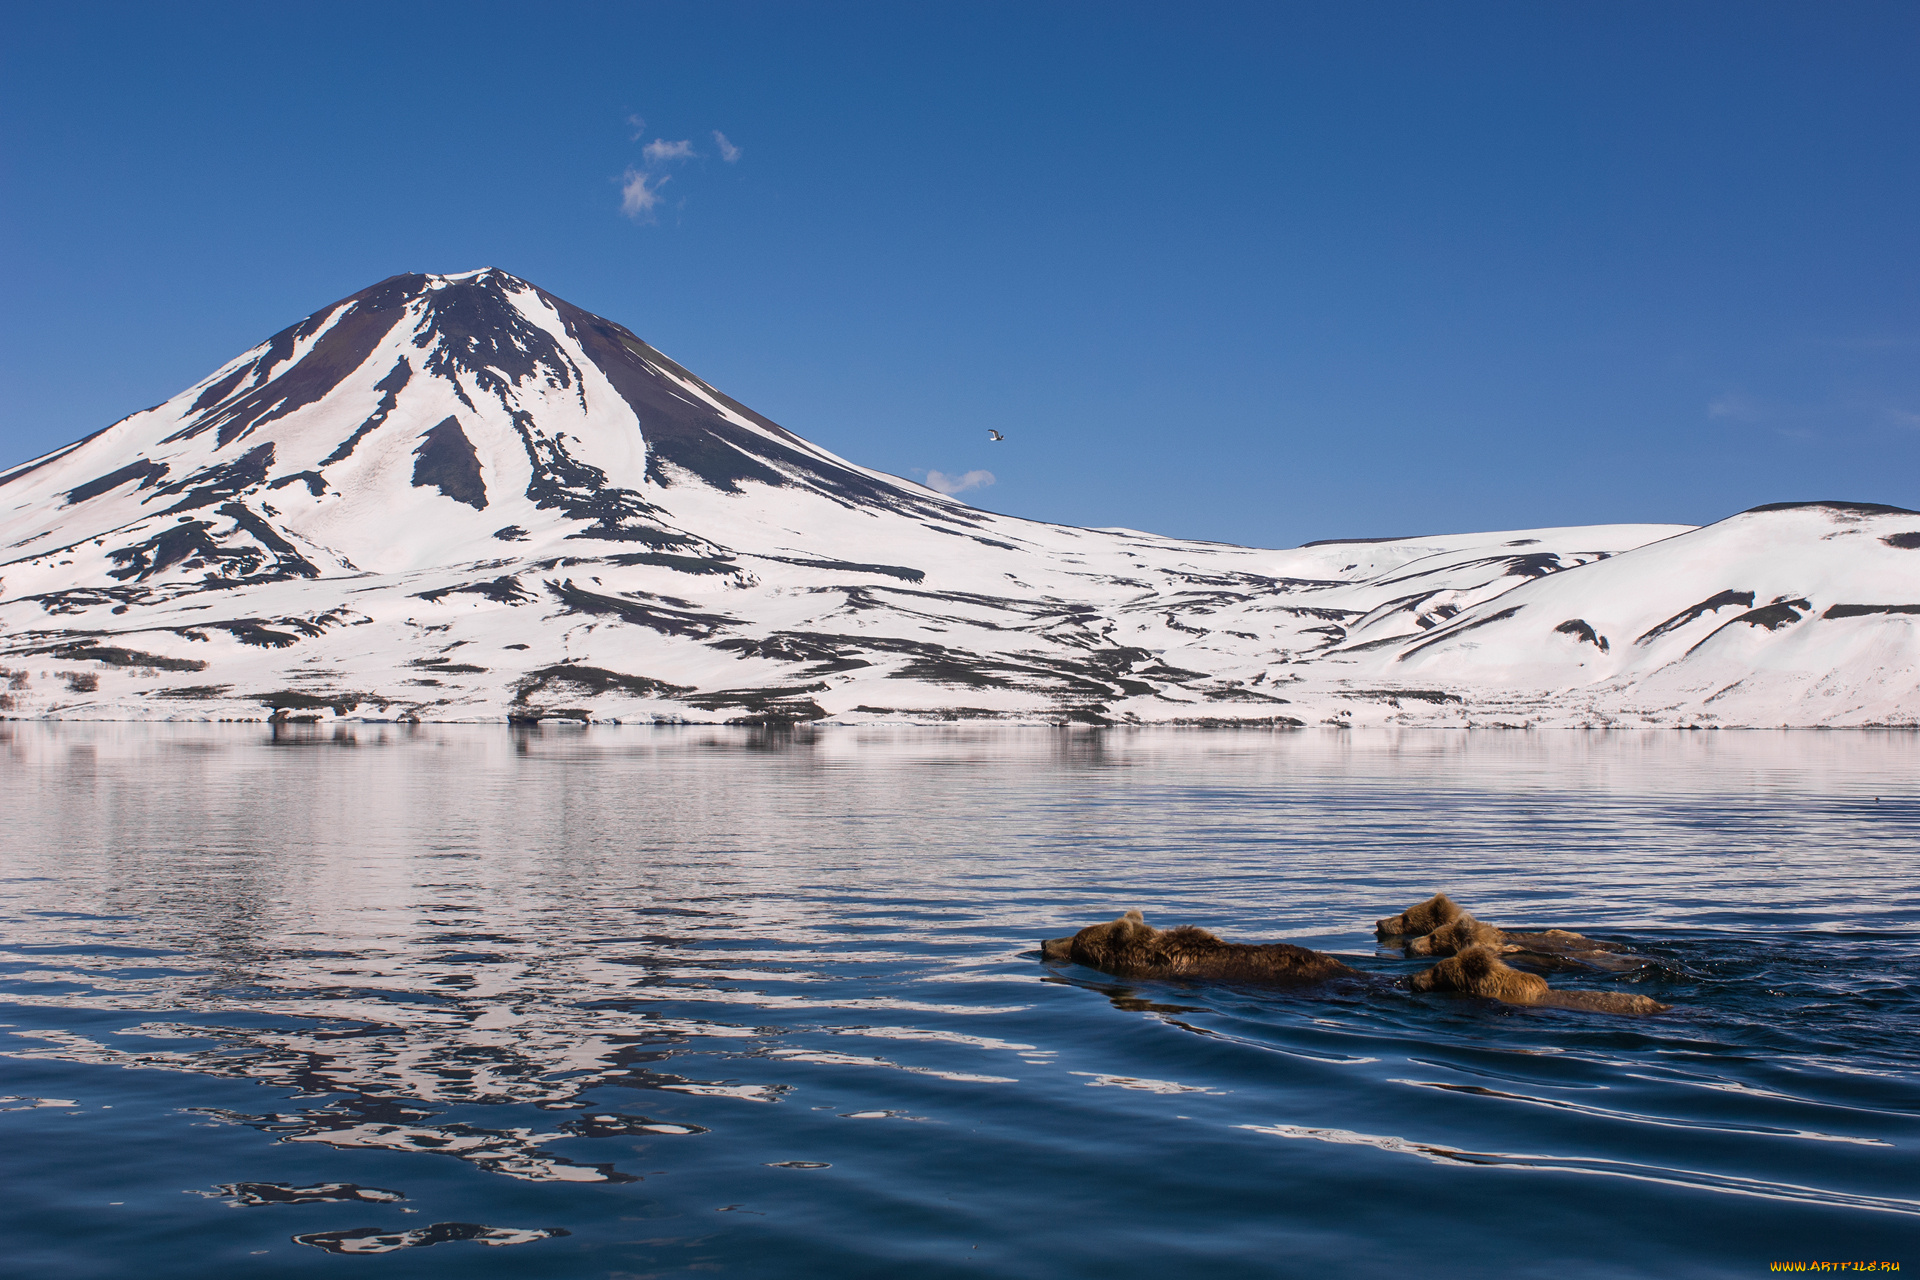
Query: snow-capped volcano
[[460, 497]]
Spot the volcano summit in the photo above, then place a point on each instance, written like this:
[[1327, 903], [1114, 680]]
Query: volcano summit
[[460, 498]]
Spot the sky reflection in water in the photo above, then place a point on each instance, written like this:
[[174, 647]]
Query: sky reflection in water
[[454, 989]]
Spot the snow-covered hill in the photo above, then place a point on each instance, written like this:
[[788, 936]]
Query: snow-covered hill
[[459, 497]]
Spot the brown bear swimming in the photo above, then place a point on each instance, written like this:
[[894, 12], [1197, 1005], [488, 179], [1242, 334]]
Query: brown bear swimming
[[1467, 931], [1455, 936], [1421, 918], [1554, 947], [1132, 948], [1479, 971]]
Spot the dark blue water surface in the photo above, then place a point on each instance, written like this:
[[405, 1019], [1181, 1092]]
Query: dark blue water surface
[[662, 1002]]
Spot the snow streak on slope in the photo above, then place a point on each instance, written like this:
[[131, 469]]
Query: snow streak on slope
[[459, 497]]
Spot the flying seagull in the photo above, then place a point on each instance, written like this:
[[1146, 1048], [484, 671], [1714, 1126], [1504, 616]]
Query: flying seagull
[[995, 434]]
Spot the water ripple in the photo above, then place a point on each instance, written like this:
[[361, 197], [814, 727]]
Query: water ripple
[[1691, 1179], [660, 990]]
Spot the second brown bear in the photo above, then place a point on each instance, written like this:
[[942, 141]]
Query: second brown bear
[[1132, 948], [1479, 971]]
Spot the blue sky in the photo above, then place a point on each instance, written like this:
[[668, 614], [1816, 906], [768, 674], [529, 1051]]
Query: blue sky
[[1258, 273]]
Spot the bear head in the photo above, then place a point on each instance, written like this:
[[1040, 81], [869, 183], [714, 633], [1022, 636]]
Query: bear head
[[1423, 917], [1479, 971], [1100, 939], [1457, 935]]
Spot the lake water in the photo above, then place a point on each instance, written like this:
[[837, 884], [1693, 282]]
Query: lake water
[[658, 1002]]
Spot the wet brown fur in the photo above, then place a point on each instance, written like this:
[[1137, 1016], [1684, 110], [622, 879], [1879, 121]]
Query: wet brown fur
[[1446, 929], [1455, 936], [1132, 948], [1464, 931], [1479, 971], [1421, 918]]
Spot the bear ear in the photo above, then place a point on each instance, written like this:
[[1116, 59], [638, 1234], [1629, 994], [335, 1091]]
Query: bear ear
[[1135, 916]]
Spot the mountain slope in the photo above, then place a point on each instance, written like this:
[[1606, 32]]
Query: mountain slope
[[459, 497]]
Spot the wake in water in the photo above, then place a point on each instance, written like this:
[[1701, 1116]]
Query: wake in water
[[1476, 965]]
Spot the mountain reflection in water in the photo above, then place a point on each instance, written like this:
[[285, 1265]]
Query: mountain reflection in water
[[618, 981]]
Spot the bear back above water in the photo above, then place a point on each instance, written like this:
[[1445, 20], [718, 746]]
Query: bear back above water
[[1130, 947], [1479, 971], [1555, 948]]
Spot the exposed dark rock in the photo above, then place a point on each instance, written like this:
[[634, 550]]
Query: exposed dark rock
[[644, 534], [848, 566], [315, 482], [1582, 631], [389, 389], [192, 544], [82, 598], [582, 491], [1416, 695], [288, 562], [569, 678], [193, 692], [1458, 628], [679, 564], [219, 483], [188, 543], [217, 391], [763, 706], [447, 667], [470, 328], [1711, 604], [697, 441], [295, 700], [502, 590], [935, 713], [665, 617], [1774, 616], [256, 634], [364, 319], [1536, 565], [1850, 508], [146, 472], [445, 459], [1862, 610], [87, 651]]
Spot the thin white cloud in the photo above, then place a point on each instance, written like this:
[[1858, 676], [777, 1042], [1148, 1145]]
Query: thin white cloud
[[941, 482], [1870, 342], [660, 150], [640, 185], [1736, 407], [640, 192]]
